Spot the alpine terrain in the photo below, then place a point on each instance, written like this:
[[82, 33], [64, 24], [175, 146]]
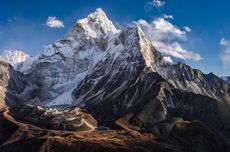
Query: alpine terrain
[[99, 88]]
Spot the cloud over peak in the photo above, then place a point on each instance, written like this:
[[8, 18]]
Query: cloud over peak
[[53, 22], [168, 59], [187, 29], [225, 55], [165, 16], [168, 38], [157, 3]]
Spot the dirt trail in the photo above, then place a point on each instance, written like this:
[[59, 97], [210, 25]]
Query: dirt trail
[[12, 120]]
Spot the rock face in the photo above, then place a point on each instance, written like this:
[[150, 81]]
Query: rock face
[[125, 65], [171, 105], [15, 87], [183, 77]]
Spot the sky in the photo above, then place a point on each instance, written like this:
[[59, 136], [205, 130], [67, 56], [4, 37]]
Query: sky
[[196, 32]]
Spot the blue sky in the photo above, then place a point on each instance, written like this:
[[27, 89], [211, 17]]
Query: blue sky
[[23, 24]]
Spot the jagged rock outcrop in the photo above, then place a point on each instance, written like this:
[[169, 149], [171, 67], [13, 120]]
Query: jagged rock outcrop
[[183, 77], [170, 105]]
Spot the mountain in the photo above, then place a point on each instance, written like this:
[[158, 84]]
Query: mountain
[[95, 41], [63, 64], [132, 78], [183, 77], [120, 82], [15, 88], [126, 64], [133, 74]]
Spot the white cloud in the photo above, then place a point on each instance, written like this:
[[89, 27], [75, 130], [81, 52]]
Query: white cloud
[[168, 59], [225, 56], [157, 3], [167, 38], [187, 29], [53, 22], [175, 49], [168, 16], [160, 30]]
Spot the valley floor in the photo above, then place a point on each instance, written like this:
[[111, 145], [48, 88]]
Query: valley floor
[[18, 136]]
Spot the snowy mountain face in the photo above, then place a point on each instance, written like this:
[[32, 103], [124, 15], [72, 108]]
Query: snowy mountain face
[[129, 55], [14, 57], [63, 64]]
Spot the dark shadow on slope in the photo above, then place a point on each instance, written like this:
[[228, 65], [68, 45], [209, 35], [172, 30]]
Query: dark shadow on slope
[[15, 88]]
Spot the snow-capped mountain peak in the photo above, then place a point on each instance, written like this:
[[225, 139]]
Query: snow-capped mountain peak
[[14, 57], [64, 63], [95, 25], [93, 31]]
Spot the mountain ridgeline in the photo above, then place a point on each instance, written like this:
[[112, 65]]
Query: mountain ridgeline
[[119, 78]]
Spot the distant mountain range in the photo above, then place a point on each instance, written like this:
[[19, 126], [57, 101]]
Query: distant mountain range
[[119, 78]]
